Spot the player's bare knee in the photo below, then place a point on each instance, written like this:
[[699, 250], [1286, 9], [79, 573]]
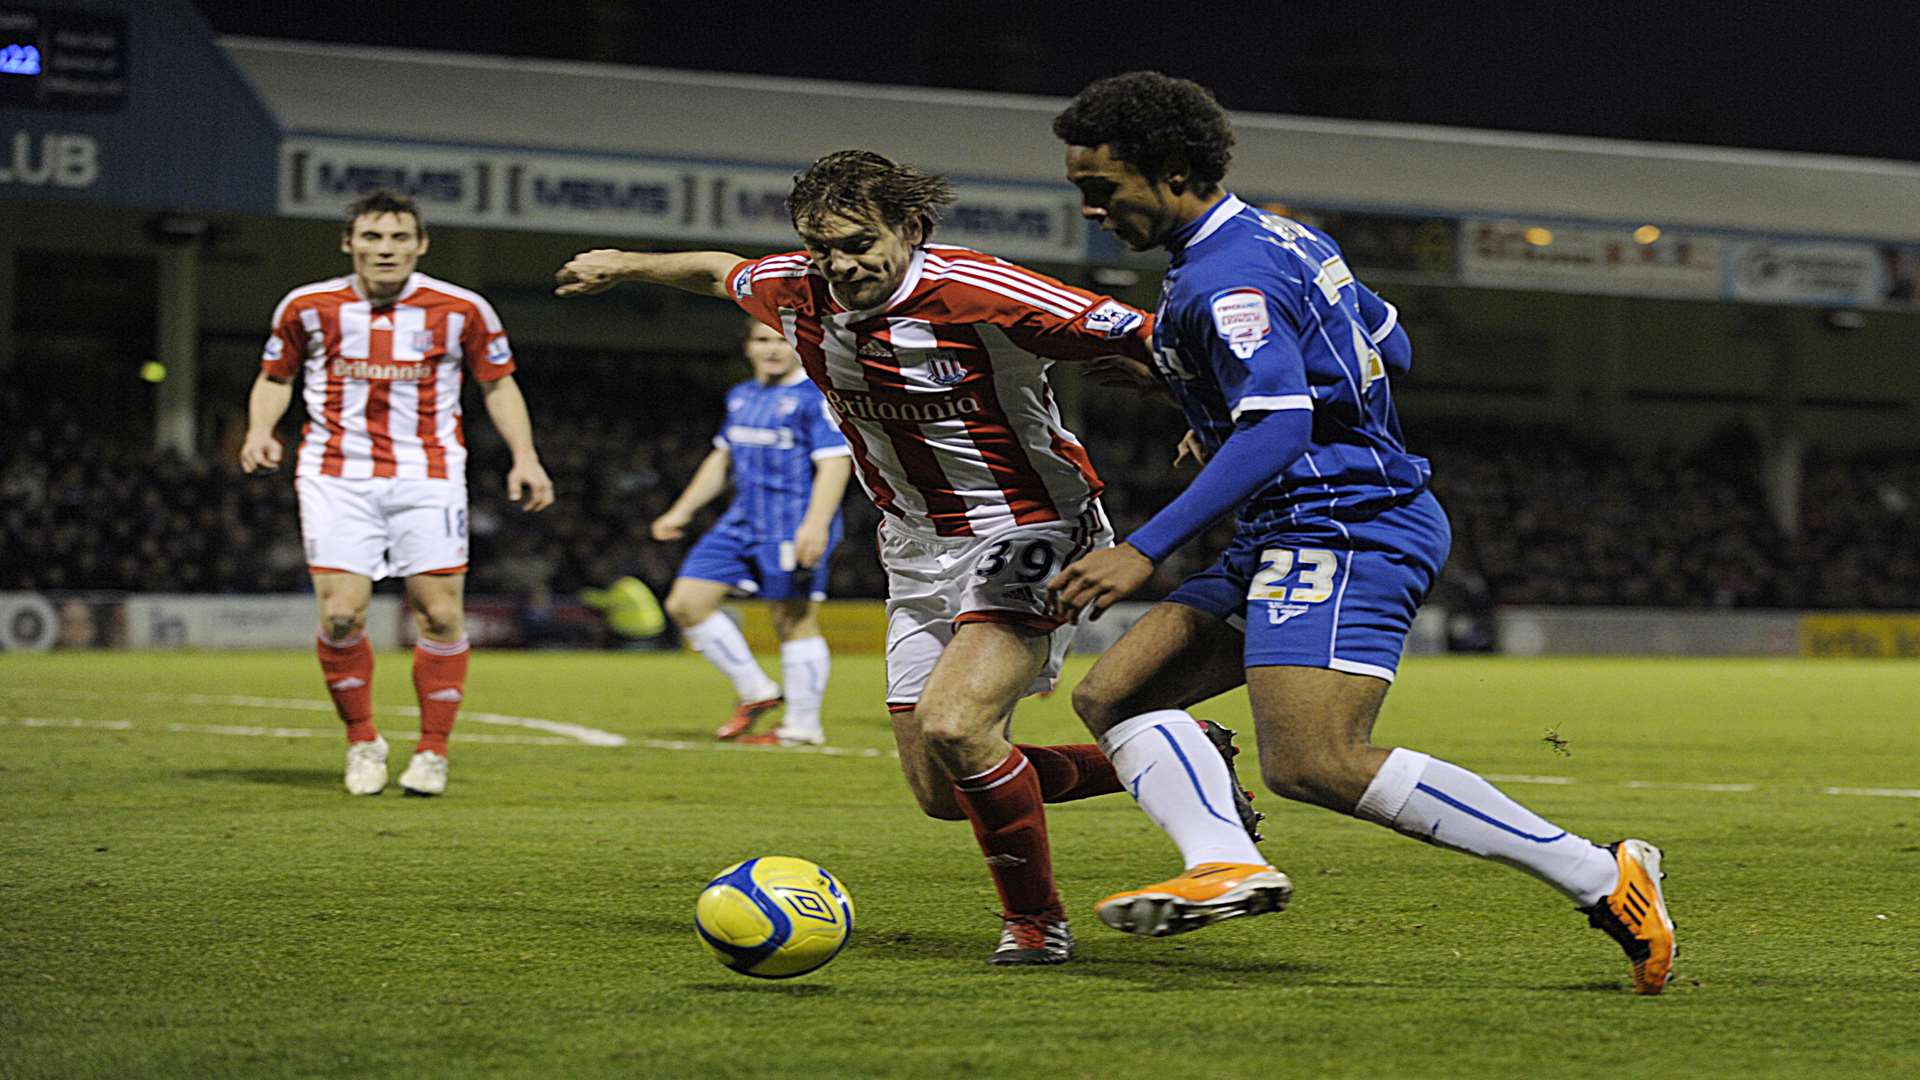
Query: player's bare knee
[[944, 731], [684, 613], [341, 623], [1101, 708], [440, 618], [1316, 778], [1285, 780], [792, 622], [935, 796], [1098, 709]]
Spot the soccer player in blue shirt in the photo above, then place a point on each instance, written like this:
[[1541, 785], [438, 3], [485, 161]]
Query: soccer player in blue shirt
[[789, 466], [1283, 364]]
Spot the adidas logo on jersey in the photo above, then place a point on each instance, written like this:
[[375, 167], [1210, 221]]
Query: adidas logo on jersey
[[875, 349]]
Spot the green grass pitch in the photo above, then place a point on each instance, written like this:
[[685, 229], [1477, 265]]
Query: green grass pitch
[[186, 891]]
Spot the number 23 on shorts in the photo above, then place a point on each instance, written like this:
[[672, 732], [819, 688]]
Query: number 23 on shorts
[[1313, 571]]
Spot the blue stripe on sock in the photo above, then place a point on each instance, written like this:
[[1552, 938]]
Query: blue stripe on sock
[[1193, 777], [1135, 786], [1495, 822]]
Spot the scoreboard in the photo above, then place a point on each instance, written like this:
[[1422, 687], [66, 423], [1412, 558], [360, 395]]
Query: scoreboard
[[67, 60]]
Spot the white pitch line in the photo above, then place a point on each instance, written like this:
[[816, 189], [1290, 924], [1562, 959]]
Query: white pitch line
[[1684, 786], [264, 732], [576, 735], [571, 733], [576, 732], [522, 740], [71, 722], [827, 751]]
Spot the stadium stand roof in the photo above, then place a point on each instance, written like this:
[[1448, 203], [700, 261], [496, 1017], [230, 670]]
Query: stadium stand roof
[[434, 98]]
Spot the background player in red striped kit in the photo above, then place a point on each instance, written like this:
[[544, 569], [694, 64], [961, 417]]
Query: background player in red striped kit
[[934, 360], [381, 470]]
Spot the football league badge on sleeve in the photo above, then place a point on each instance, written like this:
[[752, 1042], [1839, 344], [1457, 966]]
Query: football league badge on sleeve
[[1240, 318]]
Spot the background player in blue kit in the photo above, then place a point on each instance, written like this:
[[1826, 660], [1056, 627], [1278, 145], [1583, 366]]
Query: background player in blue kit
[[1282, 363], [789, 466]]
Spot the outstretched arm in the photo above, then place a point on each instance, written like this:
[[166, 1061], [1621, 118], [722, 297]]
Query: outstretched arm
[[1259, 449], [508, 408], [709, 480], [703, 272]]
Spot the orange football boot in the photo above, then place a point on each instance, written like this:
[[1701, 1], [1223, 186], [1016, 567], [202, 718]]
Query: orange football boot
[[1201, 896], [779, 737], [1635, 915], [745, 715]]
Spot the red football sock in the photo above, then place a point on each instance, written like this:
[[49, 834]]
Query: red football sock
[[1074, 771], [347, 665], [440, 681], [1010, 823]]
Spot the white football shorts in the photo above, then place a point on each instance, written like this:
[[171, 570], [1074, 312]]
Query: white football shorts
[[935, 584], [383, 527]]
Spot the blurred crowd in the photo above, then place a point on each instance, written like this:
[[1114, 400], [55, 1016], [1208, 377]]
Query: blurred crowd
[[1538, 517]]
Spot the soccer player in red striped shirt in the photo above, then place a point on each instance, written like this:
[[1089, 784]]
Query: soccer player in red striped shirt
[[381, 469], [933, 360]]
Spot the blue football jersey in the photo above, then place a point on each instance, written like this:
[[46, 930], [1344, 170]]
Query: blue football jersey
[[1260, 313], [774, 434]]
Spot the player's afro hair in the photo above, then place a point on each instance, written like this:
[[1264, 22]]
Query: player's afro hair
[[853, 182], [384, 201], [1152, 120]]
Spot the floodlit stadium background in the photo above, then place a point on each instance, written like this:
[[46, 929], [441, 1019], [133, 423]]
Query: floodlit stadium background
[[1669, 389], [1668, 379]]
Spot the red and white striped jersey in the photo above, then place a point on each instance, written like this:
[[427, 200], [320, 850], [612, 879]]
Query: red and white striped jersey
[[383, 384], [942, 390]]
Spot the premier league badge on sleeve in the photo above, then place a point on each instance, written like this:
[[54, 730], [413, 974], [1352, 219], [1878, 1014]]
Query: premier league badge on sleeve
[[1112, 320], [1240, 317]]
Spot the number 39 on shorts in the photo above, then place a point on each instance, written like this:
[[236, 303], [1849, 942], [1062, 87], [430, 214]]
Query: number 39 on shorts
[[1033, 563], [1312, 571]]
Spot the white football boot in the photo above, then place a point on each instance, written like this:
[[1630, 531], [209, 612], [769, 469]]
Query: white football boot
[[426, 774], [367, 767]]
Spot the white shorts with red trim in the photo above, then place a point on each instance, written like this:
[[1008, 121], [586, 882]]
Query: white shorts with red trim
[[383, 527], [935, 584]]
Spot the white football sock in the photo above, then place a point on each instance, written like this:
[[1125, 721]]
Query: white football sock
[[1177, 777], [717, 639], [1445, 805], [804, 666]]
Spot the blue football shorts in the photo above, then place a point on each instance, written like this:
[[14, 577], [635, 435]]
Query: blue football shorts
[[731, 555], [1326, 593]]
